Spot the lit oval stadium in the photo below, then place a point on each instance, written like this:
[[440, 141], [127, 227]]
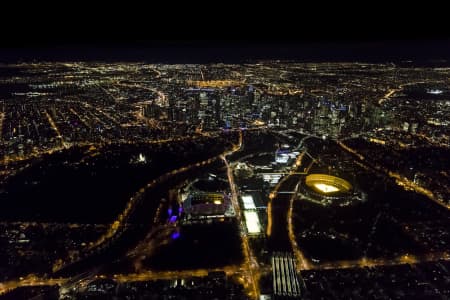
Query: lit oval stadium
[[327, 184]]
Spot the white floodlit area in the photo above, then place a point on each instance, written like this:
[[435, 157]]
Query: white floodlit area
[[252, 222], [248, 202], [434, 91], [271, 178], [292, 155], [326, 188], [282, 158]]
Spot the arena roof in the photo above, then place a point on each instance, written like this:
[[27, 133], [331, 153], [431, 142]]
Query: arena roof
[[327, 184]]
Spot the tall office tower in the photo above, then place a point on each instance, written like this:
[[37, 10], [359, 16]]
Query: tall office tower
[[250, 96]]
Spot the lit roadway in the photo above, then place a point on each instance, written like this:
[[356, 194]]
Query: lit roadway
[[302, 262], [167, 275], [122, 219], [36, 154], [55, 128], [251, 265], [274, 191], [33, 280], [388, 95], [30, 280], [80, 282], [391, 92], [374, 262], [116, 228], [161, 100], [400, 180], [305, 264]]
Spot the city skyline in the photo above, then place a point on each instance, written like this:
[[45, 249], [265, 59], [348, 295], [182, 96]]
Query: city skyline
[[254, 179]]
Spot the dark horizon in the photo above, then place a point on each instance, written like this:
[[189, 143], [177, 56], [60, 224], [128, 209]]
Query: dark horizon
[[232, 51]]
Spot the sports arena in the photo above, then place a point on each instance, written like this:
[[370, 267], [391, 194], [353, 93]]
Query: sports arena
[[329, 190], [327, 184]]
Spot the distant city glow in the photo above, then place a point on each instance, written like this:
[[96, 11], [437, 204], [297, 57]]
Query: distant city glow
[[326, 188]]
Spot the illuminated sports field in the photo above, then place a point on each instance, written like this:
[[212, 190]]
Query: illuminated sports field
[[327, 184]]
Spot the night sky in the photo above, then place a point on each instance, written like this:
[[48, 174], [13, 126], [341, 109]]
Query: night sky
[[231, 51], [183, 32]]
